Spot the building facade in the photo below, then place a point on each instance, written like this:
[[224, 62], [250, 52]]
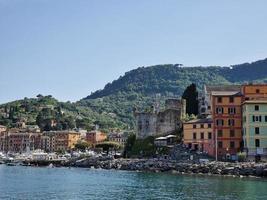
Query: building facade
[[19, 142], [255, 121], [119, 137], [198, 135], [95, 137], [205, 97], [227, 127], [52, 141], [255, 129], [254, 92]]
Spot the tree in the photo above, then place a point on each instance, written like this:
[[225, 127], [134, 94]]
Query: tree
[[129, 145], [39, 96], [107, 145], [82, 145], [191, 96]]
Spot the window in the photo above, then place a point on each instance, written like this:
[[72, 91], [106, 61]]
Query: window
[[257, 142], [202, 126], [209, 125], [220, 133], [219, 99], [194, 126], [257, 130], [232, 144], [231, 122], [147, 124], [202, 136], [265, 118], [256, 118], [219, 122], [209, 135], [231, 110], [219, 110], [194, 136], [139, 125], [220, 144], [257, 107], [257, 91], [231, 99], [232, 133], [190, 145]]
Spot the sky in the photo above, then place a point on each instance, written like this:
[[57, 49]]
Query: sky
[[70, 48]]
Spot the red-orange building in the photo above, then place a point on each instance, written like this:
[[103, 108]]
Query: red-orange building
[[227, 127], [19, 142], [95, 137]]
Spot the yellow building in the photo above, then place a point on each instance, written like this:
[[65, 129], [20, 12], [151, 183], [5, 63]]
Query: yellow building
[[59, 140], [198, 135]]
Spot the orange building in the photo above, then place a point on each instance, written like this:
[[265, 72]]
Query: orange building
[[95, 137], [198, 135], [254, 91], [227, 127], [52, 141]]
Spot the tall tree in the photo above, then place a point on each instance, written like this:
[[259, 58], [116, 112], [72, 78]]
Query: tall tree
[[191, 96]]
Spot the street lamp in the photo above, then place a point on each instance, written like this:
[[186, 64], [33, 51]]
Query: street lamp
[[216, 145]]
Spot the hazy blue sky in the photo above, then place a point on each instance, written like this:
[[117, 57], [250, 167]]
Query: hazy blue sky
[[70, 48]]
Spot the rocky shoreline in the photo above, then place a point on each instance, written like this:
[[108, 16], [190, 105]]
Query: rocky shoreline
[[165, 165]]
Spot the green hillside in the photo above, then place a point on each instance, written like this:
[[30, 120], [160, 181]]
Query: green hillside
[[112, 107]]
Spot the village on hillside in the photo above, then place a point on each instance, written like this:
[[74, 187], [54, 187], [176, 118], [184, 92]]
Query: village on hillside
[[229, 123]]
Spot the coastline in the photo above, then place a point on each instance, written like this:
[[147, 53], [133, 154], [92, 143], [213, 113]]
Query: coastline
[[256, 170]]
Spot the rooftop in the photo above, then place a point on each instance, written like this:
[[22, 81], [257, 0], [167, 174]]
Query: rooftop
[[166, 137], [199, 121], [260, 101], [211, 88], [226, 93]]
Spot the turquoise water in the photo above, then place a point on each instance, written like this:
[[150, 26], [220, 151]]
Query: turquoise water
[[62, 183]]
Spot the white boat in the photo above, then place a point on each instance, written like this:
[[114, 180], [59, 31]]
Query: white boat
[[50, 165]]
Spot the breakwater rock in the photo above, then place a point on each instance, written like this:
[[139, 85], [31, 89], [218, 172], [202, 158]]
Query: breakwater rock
[[167, 165]]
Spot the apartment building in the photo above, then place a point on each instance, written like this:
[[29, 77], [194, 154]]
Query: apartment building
[[255, 121], [198, 135], [53, 141], [227, 125]]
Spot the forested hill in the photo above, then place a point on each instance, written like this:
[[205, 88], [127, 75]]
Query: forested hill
[[173, 79], [112, 107]]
